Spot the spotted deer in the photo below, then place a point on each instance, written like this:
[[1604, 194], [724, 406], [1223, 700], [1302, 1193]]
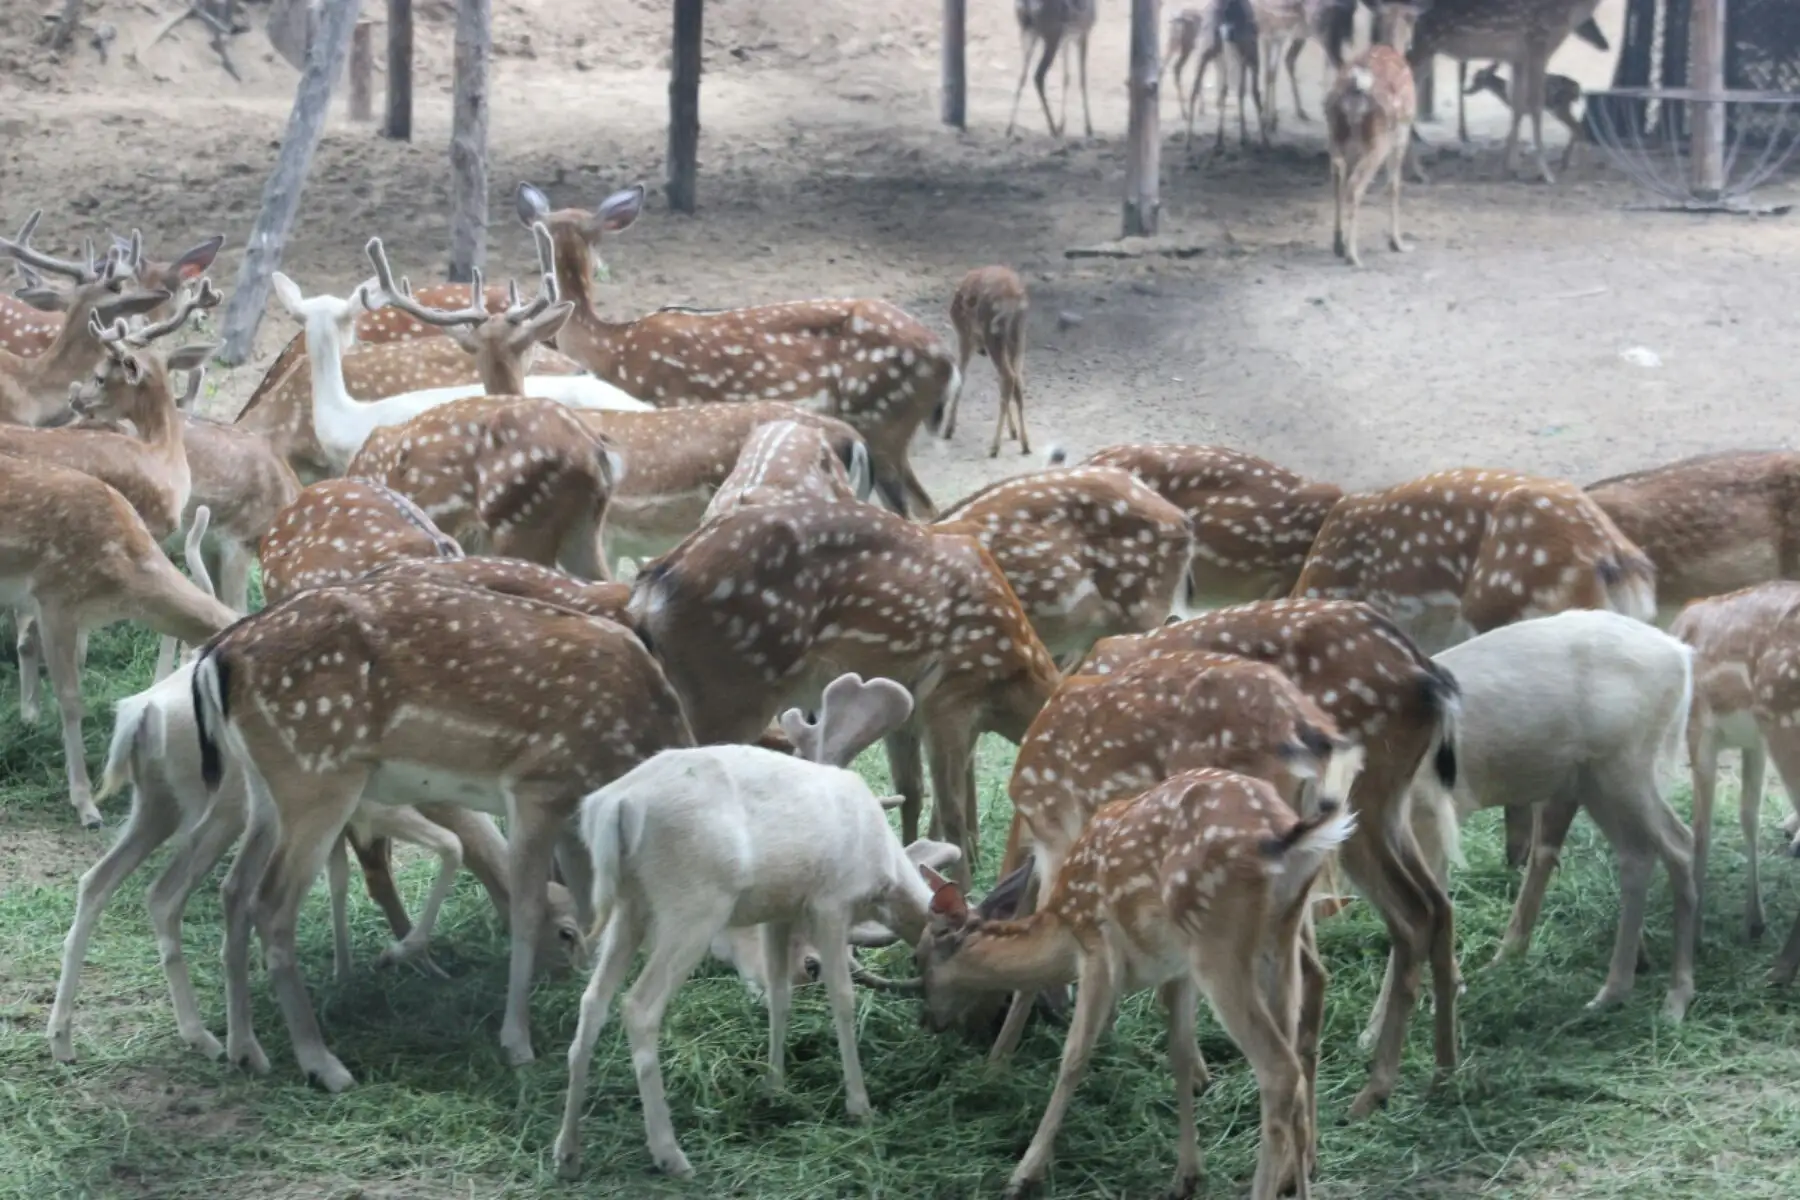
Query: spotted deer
[[1746, 698], [407, 691], [988, 312], [1386, 695], [1089, 551], [1186, 32], [785, 460], [1253, 521], [764, 606], [1369, 113], [1711, 524], [341, 529], [1050, 23], [867, 362], [1198, 886], [1561, 95]]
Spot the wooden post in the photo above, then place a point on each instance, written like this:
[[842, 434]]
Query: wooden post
[[362, 71], [1425, 87], [1143, 148], [468, 139], [399, 81], [281, 193], [1707, 76], [955, 52], [684, 107]]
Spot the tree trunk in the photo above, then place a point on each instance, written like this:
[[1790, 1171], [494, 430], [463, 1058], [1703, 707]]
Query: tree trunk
[[468, 140], [281, 193], [1708, 74], [362, 71], [956, 75], [399, 66], [1143, 149], [684, 107], [66, 23]]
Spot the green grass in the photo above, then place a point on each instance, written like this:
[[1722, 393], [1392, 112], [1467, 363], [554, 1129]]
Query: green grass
[[1551, 1100]]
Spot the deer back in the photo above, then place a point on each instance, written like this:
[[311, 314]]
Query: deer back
[[516, 577], [786, 460], [339, 530], [238, 476], [1741, 642]]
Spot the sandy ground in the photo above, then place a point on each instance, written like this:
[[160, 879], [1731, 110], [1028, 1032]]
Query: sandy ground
[[824, 171]]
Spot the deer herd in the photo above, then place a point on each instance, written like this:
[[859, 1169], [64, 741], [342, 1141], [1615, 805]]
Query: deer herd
[[1221, 676]]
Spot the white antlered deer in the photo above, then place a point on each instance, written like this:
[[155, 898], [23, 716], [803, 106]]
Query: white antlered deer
[[762, 607], [1200, 886], [1369, 113], [699, 842], [396, 690], [988, 312], [1746, 698], [1385, 694], [1254, 522], [1090, 552], [787, 460], [867, 362]]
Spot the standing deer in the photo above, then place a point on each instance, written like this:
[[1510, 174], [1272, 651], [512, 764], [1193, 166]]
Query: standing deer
[[1369, 113], [1186, 32], [1231, 25], [1051, 22], [1561, 95], [988, 312], [1290, 23]]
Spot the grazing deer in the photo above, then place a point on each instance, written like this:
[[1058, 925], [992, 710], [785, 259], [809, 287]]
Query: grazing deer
[[1369, 113], [865, 361], [76, 556], [1289, 23], [1746, 698], [1253, 521], [762, 607], [1197, 887], [1383, 693], [1231, 25], [698, 841], [1524, 33], [1090, 552], [405, 691], [1051, 22], [786, 460], [989, 312], [341, 529], [1561, 95], [1711, 524]]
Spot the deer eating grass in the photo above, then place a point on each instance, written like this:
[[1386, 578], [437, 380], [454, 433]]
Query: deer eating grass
[[988, 312], [1383, 693], [1369, 112], [1051, 23], [407, 691], [786, 460], [1198, 887], [698, 841]]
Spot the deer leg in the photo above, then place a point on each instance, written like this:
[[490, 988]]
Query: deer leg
[[1704, 744], [1243, 1011], [1051, 42], [447, 847], [375, 857], [59, 641], [1788, 965], [1081, 51], [1293, 56], [165, 659], [1179, 998], [337, 874], [619, 941], [154, 819], [196, 854], [1755, 765], [676, 951], [30, 648], [950, 747], [1244, 75], [238, 896], [1395, 156], [1521, 825], [1196, 98], [1028, 43], [534, 818], [1271, 57], [906, 770], [1520, 99], [1546, 855], [1539, 66], [1224, 92], [1566, 115], [778, 993], [1313, 978], [1256, 94], [965, 350], [831, 936], [1360, 177], [1462, 117], [1019, 1010], [1094, 999]]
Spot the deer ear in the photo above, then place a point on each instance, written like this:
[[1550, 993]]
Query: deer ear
[[288, 292], [946, 898], [193, 263], [530, 204], [193, 357], [44, 299], [620, 209], [938, 856]]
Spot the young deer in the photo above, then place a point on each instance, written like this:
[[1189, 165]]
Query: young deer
[[1089, 551], [403, 691], [989, 311], [1197, 887], [1253, 521], [1561, 95], [1383, 693], [865, 361], [1369, 113], [786, 460], [698, 841], [1231, 25], [1050, 22], [762, 607], [1746, 698], [1711, 524]]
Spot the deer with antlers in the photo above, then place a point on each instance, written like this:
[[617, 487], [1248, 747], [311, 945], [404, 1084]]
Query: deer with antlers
[[763, 606], [1253, 521], [1384, 693], [1197, 887], [1090, 552], [867, 362]]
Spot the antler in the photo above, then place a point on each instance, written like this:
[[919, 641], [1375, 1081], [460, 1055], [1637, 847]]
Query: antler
[[547, 292], [130, 248], [400, 296], [853, 715], [20, 249], [120, 334]]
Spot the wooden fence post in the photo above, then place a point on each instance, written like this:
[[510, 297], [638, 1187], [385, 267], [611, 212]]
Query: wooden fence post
[[1143, 147]]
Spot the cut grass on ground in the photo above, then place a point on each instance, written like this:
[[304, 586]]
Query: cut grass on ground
[[1551, 1100]]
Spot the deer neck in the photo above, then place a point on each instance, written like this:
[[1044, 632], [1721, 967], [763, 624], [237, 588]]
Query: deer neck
[[159, 424], [1038, 952], [589, 338], [334, 413], [503, 373]]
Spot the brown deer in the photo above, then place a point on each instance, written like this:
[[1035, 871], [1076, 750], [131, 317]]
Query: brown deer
[[1231, 25], [402, 691], [1051, 22], [1253, 521], [1186, 32], [1090, 552], [1197, 887], [1711, 524], [1290, 23], [786, 460], [763, 607], [1369, 113], [1384, 693], [988, 312], [341, 529], [865, 361], [1561, 95]]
